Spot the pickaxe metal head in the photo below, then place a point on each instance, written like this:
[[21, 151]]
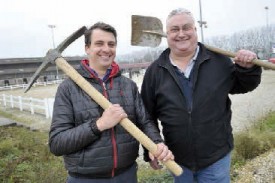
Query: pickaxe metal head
[[53, 54]]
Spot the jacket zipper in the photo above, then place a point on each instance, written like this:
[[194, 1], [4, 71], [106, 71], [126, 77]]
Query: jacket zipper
[[104, 89], [112, 134], [189, 111], [114, 151]]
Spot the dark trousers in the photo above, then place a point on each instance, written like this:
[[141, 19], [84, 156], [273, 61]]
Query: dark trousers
[[129, 175]]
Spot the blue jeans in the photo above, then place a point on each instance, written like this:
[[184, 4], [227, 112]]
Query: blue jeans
[[218, 172], [129, 175]]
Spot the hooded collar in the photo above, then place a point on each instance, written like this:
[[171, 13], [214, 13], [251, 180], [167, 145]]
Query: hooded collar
[[91, 73]]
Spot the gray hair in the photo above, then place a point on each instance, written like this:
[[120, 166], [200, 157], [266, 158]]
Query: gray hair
[[180, 11]]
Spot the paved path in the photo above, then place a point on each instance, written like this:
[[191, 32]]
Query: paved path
[[6, 122]]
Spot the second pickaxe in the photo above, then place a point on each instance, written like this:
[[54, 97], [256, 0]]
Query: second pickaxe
[[55, 57]]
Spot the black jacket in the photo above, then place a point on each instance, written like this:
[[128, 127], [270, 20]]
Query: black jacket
[[87, 154], [200, 134]]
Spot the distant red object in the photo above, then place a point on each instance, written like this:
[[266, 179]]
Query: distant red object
[[272, 58]]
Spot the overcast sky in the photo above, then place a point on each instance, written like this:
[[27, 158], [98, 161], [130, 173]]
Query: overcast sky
[[24, 30]]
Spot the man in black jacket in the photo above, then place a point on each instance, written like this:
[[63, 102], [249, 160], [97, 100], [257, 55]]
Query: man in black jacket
[[95, 149], [187, 90]]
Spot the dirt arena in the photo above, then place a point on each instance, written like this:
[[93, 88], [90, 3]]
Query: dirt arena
[[247, 108]]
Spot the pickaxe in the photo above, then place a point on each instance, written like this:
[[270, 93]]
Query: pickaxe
[[148, 31], [54, 56]]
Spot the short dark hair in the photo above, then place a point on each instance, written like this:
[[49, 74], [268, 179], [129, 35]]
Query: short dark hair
[[99, 25]]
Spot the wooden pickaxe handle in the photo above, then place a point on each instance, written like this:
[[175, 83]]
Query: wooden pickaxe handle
[[104, 103], [158, 35], [232, 55]]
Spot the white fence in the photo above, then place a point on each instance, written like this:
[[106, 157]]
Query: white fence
[[39, 106], [11, 87]]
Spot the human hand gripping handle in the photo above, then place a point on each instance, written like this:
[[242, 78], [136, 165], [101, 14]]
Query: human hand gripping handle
[[244, 58], [163, 154], [125, 123], [111, 117]]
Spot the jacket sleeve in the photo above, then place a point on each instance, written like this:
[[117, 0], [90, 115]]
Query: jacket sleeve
[[145, 123], [245, 80], [147, 94], [65, 136]]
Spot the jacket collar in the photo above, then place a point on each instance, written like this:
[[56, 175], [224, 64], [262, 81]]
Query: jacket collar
[[86, 71], [203, 55]]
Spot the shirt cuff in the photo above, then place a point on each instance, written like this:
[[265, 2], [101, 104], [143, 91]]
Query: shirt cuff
[[94, 128]]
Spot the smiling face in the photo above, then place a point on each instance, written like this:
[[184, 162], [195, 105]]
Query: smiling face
[[101, 50], [181, 34]]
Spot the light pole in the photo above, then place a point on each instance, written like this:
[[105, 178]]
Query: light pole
[[201, 22], [51, 26], [268, 32], [266, 8]]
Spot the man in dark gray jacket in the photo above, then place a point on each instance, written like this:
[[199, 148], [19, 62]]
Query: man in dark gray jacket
[[94, 147], [187, 90]]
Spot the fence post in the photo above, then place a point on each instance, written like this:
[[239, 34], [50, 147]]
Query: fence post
[[50, 105], [4, 100], [31, 106], [46, 107], [11, 101], [20, 103]]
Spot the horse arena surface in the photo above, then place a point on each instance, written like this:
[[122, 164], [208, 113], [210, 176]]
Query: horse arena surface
[[247, 108]]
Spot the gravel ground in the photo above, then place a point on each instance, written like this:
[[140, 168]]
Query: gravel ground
[[259, 170], [247, 109]]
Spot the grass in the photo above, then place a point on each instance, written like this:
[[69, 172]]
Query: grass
[[147, 175], [255, 141], [25, 156]]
